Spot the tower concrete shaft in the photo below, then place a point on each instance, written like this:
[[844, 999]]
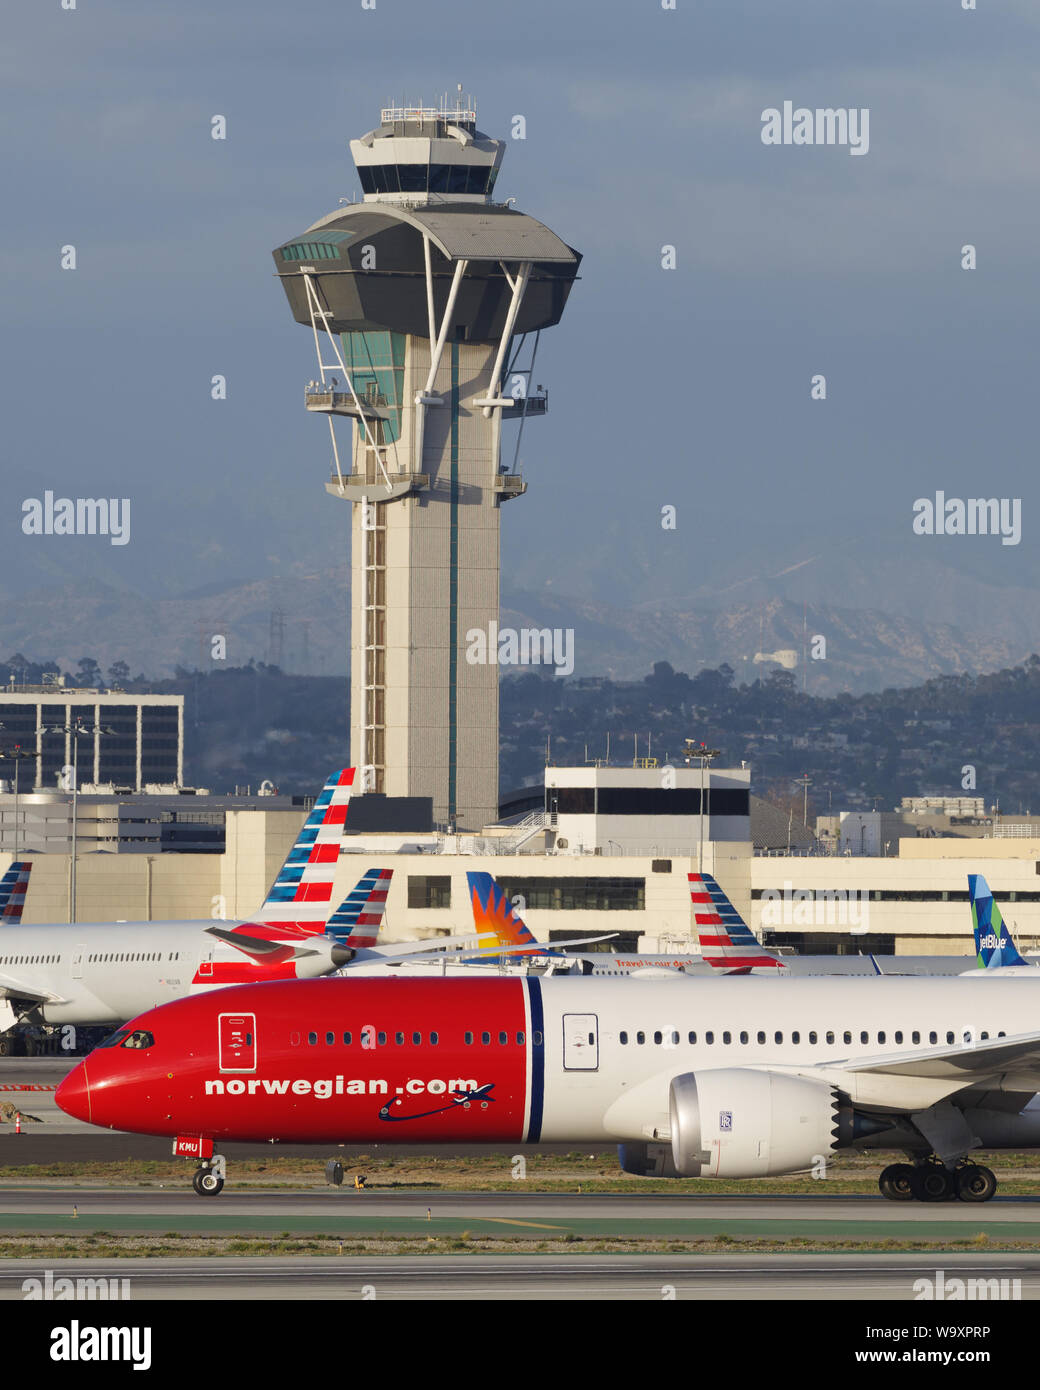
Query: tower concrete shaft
[[419, 299]]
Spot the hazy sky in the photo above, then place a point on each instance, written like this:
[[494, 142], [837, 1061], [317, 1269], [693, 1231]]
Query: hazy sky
[[688, 387]]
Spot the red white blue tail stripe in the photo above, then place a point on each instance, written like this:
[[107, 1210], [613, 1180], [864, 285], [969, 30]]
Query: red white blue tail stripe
[[360, 915], [302, 892], [13, 887], [727, 942]]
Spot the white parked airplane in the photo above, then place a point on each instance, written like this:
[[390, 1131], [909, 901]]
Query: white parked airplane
[[103, 973]]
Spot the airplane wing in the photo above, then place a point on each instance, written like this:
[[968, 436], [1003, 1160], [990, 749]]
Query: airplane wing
[[544, 948], [903, 1083], [415, 948], [10, 988], [968, 1062]]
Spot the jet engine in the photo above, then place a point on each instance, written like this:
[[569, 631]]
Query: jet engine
[[741, 1123]]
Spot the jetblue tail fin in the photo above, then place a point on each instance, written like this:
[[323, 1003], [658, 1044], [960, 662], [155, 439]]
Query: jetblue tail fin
[[357, 920], [993, 944], [13, 888], [727, 942], [302, 892]]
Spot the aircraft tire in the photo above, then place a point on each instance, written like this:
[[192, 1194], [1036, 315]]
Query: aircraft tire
[[206, 1183], [896, 1182], [932, 1183], [975, 1183]]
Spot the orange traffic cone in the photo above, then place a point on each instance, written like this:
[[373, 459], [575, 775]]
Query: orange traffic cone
[[17, 1122]]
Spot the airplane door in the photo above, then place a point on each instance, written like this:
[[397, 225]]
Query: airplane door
[[77, 962], [237, 1040], [580, 1042]]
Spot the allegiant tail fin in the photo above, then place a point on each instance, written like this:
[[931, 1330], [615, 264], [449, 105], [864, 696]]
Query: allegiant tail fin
[[496, 919]]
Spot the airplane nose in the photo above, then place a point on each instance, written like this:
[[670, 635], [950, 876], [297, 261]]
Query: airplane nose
[[73, 1095]]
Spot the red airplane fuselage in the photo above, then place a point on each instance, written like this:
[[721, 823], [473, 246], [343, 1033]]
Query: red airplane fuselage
[[324, 1061]]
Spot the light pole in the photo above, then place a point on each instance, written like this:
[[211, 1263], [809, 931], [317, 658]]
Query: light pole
[[76, 728], [16, 754], [704, 755], [805, 782]]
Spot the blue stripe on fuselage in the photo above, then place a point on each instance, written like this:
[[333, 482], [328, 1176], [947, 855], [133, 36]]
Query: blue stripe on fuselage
[[534, 994]]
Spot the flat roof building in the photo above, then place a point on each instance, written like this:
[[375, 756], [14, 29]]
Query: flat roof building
[[128, 740]]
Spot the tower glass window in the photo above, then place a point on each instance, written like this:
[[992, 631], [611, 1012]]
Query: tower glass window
[[375, 360]]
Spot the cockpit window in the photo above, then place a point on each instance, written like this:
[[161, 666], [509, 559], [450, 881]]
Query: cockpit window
[[114, 1039], [139, 1038]]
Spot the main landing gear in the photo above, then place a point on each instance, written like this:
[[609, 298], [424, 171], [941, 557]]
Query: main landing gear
[[931, 1181], [208, 1180]]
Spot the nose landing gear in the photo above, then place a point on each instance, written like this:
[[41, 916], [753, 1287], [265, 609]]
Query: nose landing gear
[[932, 1181], [208, 1180]]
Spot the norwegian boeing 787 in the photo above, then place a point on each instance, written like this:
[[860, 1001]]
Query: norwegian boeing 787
[[729, 1077]]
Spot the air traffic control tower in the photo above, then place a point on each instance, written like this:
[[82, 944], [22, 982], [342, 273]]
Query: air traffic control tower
[[426, 299]]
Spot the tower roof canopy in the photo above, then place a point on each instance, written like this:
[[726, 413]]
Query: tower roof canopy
[[462, 231], [370, 261]]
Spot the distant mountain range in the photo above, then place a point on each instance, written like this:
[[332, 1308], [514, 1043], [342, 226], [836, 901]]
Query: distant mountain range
[[299, 622]]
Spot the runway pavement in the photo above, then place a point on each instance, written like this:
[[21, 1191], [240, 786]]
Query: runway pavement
[[653, 1278], [344, 1213], [49, 1207]]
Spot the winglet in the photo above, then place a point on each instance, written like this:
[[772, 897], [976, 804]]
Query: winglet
[[993, 944]]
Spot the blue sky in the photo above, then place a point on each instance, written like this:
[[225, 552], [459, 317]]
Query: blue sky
[[687, 387]]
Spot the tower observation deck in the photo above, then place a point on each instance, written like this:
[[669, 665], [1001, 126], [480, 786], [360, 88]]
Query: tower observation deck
[[424, 299]]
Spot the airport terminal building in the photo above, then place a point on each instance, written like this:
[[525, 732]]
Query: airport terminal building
[[598, 857]]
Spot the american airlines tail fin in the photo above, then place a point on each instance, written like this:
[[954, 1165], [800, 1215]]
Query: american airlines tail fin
[[13, 888], [357, 920], [302, 893], [496, 919], [727, 942], [994, 947]]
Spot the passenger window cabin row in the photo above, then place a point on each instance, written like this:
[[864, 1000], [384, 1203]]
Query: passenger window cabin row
[[381, 1038], [673, 1038]]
